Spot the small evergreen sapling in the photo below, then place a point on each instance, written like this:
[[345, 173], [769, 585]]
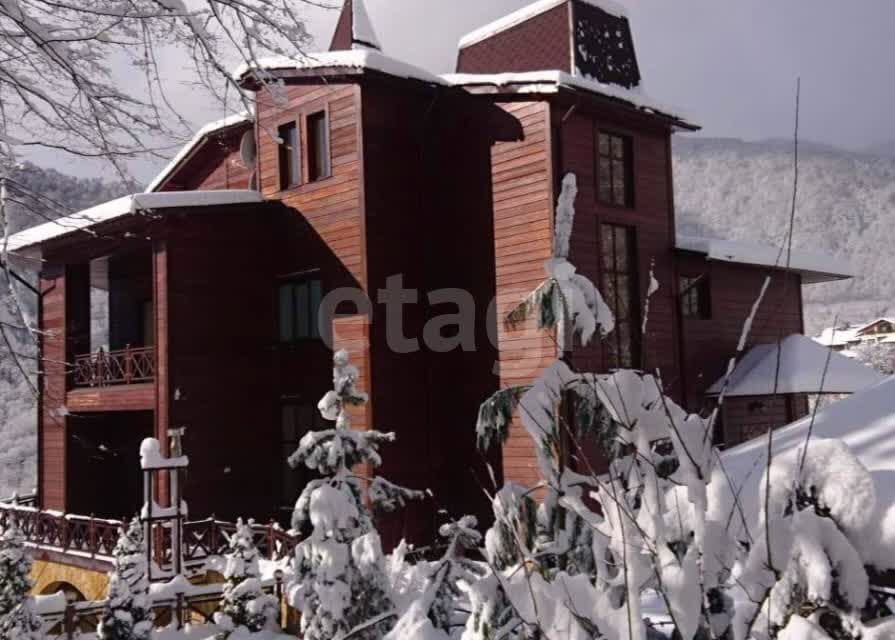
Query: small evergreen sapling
[[128, 612], [18, 621], [340, 583], [245, 606]]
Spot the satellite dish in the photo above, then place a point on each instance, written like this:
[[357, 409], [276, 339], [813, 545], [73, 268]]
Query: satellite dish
[[248, 150]]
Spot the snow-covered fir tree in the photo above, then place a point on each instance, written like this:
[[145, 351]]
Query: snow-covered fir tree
[[18, 621], [438, 611], [340, 584], [128, 611], [245, 607]]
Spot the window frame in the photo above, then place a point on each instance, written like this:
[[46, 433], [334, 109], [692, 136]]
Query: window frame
[[633, 319], [699, 285], [628, 162], [286, 185], [293, 281], [310, 116]]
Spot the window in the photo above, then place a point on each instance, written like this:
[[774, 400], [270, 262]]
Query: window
[[318, 147], [694, 293], [614, 180], [619, 280], [299, 308], [296, 419], [290, 155]]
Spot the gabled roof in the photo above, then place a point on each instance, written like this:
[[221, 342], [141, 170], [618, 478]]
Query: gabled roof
[[802, 362], [142, 202], [813, 267], [198, 140], [838, 337], [864, 327], [527, 13]]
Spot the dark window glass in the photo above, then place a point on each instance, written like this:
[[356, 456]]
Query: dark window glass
[[299, 309], [614, 170], [695, 301], [290, 156], [318, 147], [619, 287]]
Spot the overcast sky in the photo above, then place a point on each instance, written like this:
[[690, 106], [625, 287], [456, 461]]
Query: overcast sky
[[731, 65]]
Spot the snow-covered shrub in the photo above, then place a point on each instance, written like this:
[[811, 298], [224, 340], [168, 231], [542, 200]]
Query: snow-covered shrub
[[879, 356], [128, 611], [245, 606], [18, 621], [340, 583]]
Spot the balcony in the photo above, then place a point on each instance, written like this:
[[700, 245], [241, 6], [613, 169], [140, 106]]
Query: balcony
[[109, 368]]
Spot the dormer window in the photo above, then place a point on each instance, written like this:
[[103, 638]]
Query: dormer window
[[289, 155], [614, 170]]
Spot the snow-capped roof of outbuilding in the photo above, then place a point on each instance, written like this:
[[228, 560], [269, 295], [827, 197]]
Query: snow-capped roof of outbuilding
[[865, 421], [804, 367], [142, 202], [527, 13], [197, 141], [838, 337], [813, 267]]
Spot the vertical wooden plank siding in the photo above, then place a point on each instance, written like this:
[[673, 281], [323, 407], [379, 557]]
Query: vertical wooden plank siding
[[53, 425], [522, 182]]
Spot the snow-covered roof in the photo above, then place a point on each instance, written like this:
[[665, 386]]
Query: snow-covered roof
[[802, 363], [865, 421], [553, 81], [814, 267], [838, 337], [356, 60], [866, 326], [127, 205], [527, 13], [195, 144]]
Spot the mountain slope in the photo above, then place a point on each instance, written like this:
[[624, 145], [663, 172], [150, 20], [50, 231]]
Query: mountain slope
[[36, 195], [846, 207]]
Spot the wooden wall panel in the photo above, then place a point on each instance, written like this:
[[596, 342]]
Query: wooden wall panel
[[522, 180], [52, 422], [216, 164]]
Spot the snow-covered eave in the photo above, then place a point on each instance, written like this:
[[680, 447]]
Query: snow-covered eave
[[198, 141], [528, 12], [29, 241], [355, 62], [813, 267], [553, 81]]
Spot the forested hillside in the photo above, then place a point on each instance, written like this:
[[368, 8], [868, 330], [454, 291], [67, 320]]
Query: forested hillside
[[846, 206], [36, 195]]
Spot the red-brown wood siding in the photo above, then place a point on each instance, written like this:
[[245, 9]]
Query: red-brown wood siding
[[522, 180], [216, 164], [52, 435], [543, 42], [651, 217]]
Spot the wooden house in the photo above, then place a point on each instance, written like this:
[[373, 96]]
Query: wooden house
[[358, 173]]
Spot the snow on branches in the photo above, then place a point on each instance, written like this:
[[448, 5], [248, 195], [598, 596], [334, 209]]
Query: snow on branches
[[340, 584], [69, 67], [565, 300], [127, 614], [18, 619], [245, 608]]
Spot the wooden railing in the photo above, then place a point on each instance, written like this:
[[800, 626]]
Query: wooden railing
[[106, 368], [96, 537]]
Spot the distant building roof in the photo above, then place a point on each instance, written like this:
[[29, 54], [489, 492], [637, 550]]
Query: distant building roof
[[838, 337], [802, 362], [813, 267], [864, 327], [84, 220], [199, 139]]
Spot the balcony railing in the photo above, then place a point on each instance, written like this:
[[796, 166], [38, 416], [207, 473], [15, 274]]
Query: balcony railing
[[107, 368]]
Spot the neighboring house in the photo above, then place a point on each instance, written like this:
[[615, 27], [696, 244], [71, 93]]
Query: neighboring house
[[873, 341], [214, 278]]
